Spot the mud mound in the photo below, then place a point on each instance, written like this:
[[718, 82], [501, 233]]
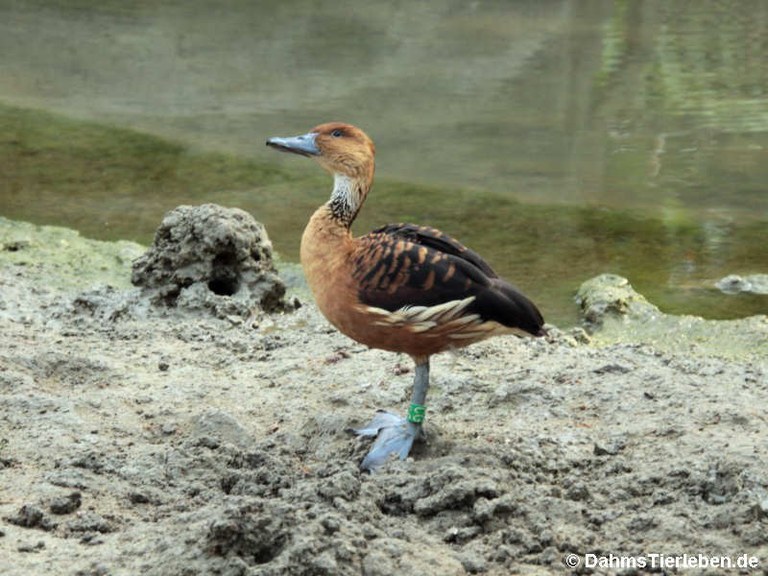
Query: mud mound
[[210, 257]]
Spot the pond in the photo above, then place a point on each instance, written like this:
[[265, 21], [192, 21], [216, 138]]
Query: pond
[[559, 139]]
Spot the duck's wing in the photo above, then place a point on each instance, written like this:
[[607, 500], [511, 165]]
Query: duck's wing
[[403, 266], [437, 240]]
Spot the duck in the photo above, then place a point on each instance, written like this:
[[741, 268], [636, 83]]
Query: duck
[[404, 288]]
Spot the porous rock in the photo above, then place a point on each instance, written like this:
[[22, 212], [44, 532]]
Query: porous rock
[[735, 284], [614, 312], [210, 257], [611, 295]]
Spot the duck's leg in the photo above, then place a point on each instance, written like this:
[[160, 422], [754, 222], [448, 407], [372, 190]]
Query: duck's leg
[[395, 434]]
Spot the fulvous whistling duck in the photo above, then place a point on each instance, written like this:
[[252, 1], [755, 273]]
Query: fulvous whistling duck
[[403, 287]]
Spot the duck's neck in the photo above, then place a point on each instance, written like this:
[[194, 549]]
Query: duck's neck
[[347, 197]]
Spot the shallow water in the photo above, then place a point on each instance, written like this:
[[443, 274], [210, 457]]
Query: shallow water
[[559, 139]]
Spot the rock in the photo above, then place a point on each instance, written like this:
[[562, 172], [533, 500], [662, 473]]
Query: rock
[[735, 284], [212, 258], [614, 313], [611, 295], [30, 516], [66, 504], [90, 522], [138, 498]]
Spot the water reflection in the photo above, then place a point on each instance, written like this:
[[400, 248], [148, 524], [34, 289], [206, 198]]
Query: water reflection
[[657, 111]]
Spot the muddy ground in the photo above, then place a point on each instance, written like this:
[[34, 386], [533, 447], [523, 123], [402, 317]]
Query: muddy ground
[[136, 440]]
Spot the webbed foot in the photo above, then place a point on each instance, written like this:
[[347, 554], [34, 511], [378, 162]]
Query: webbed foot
[[394, 435]]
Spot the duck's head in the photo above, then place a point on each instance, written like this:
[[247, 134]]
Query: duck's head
[[339, 148]]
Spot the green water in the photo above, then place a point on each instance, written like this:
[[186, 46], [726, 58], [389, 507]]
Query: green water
[[558, 139]]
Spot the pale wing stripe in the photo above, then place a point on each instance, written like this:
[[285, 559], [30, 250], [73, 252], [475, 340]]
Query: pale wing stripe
[[425, 317], [445, 311]]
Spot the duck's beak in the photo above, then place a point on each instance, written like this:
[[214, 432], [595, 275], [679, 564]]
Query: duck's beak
[[304, 145]]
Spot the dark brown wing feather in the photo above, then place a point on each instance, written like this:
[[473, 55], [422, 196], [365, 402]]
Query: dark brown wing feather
[[406, 265], [434, 238]]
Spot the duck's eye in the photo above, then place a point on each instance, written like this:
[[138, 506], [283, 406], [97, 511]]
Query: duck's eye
[[337, 133]]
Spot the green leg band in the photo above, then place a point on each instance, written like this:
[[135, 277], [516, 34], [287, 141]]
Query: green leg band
[[416, 413]]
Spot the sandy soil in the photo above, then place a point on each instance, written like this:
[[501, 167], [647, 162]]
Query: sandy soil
[[178, 442]]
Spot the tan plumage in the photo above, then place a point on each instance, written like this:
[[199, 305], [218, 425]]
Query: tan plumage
[[403, 287]]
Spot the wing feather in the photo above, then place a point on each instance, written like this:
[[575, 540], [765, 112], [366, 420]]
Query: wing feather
[[429, 237], [404, 266]]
